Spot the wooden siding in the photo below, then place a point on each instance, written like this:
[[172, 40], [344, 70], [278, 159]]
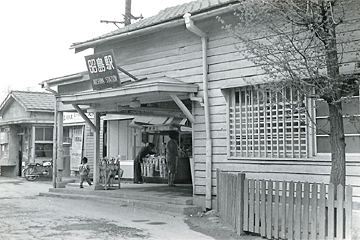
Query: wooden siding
[[226, 66], [177, 53]]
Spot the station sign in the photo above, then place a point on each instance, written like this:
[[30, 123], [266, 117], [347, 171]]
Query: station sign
[[102, 70]]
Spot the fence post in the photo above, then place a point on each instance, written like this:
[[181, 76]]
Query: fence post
[[240, 203], [217, 189], [348, 220]]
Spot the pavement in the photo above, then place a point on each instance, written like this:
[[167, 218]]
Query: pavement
[[156, 196]]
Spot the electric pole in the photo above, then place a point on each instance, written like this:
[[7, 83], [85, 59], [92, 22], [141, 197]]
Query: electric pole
[[127, 16]]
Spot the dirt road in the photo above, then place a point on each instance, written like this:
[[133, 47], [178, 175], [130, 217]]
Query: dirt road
[[25, 215]]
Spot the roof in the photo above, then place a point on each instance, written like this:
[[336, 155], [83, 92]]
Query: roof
[[30, 101], [165, 15]]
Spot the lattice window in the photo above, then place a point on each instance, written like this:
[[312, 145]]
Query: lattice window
[[263, 123]]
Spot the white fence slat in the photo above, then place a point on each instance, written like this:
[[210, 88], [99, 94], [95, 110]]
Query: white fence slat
[[290, 219], [269, 210], [340, 212], [240, 205], [251, 205], [331, 214], [262, 209], [306, 209], [246, 207], [313, 216], [257, 207], [322, 212], [283, 210], [348, 212], [276, 210], [297, 213]]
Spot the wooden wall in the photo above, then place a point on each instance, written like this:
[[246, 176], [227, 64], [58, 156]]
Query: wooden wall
[[177, 53]]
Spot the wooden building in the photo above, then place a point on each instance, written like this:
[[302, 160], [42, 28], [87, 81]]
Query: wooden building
[[27, 134], [182, 56]]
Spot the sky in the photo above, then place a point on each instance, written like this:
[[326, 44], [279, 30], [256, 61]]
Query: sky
[[37, 35]]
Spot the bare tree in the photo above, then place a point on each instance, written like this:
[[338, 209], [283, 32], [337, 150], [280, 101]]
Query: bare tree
[[304, 45]]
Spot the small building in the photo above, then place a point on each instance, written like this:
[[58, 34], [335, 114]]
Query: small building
[[26, 134], [26, 130]]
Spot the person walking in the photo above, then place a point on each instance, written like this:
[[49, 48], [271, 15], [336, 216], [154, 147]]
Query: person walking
[[84, 171], [149, 149], [172, 157]]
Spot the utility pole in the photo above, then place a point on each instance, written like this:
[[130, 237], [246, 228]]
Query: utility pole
[[127, 16]]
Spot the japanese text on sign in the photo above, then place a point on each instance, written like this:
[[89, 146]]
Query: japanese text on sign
[[102, 70]]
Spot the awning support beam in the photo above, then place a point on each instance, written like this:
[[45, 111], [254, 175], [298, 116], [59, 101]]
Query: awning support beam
[[183, 108], [129, 74], [82, 114]]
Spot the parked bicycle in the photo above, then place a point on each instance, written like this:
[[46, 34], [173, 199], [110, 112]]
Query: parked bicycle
[[34, 170]]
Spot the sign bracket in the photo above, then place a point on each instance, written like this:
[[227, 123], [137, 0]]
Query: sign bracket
[[129, 74]]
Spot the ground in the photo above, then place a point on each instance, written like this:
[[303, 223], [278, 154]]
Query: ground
[[210, 224]]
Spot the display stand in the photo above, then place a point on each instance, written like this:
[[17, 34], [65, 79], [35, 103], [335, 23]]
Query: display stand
[[154, 167], [109, 169]]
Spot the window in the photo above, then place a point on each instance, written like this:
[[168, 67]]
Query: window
[[44, 134], [44, 142], [4, 143], [263, 123], [277, 124], [351, 116]]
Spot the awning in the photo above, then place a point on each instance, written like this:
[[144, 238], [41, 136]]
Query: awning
[[139, 121], [146, 91]]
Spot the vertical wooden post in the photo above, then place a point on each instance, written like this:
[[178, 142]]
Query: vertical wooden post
[[96, 151], [340, 212], [297, 212], [246, 206], [257, 207], [127, 17], [348, 212], [60, 149], [251, 204], [240, 205], [269, 210], [314, 216], [276, 211], [331, 213], [263, 209], [217, 189], [283, 210], [305, 219], [322, 211], [290, 220], [32, 151]]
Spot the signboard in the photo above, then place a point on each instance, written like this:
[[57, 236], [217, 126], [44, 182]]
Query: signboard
[[102, 70], [76, 148], [74, 117]]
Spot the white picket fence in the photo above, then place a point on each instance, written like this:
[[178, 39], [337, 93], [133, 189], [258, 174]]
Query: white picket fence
[[286, 210]]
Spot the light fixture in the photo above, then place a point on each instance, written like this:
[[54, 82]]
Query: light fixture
[[135, 103]]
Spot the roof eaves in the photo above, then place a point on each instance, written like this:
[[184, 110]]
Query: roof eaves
[[169, 22]]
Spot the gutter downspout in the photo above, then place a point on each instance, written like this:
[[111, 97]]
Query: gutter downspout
[[47, 88], [192, 28]]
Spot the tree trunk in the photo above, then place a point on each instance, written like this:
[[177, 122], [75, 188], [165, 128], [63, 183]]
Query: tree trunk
[[337, 144]]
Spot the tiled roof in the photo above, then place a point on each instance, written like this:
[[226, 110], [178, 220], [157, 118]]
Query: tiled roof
[[165, 15], [32, 101]]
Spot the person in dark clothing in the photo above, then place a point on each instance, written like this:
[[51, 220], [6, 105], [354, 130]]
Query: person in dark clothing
[[149, 149], [172, 157]]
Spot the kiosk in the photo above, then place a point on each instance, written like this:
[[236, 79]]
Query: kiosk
[[154, 168]]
